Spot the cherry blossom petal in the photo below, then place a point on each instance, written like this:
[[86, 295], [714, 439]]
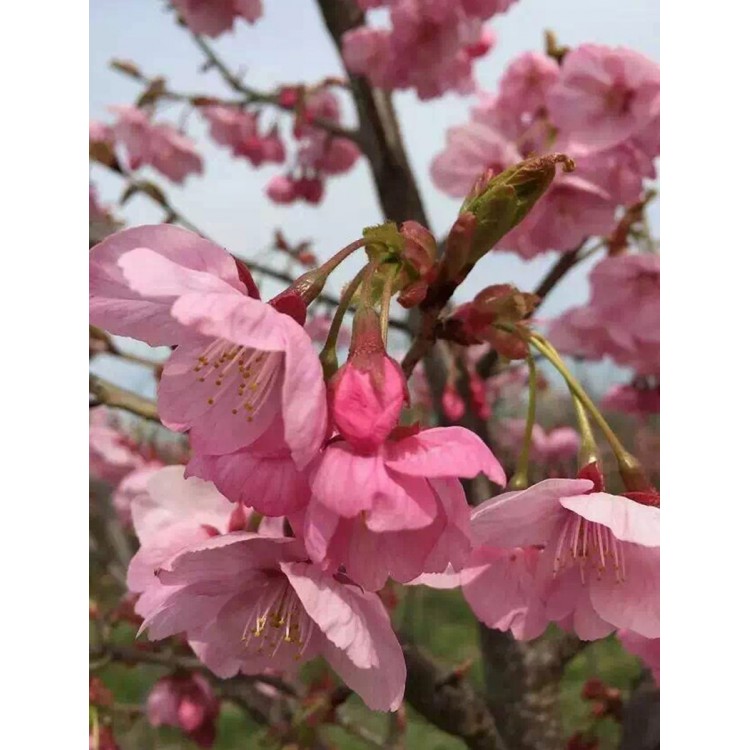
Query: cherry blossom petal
[[444, 452]]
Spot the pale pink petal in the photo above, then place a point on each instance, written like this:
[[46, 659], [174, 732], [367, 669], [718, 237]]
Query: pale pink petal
[[444, 452], [303, 395], [213, 410], [242, 320], [150, 274], [634, 602], [117, 308], [361, 646], [628, 520], [172, 500], [527, 518]]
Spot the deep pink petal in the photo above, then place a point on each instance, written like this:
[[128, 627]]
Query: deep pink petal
[[271, 484], [444, 452]]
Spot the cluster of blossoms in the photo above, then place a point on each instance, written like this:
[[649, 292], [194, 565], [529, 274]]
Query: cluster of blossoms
[[214, 17], [600, 105], [430, 47], [319, 154], [349, 495], [620, 320], [125, 461], [158, 145]]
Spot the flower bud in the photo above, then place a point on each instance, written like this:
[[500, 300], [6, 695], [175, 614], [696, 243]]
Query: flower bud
[[453, 404], [310, 189], [369, 391], [500, 203], [281, 189], [420, 248]]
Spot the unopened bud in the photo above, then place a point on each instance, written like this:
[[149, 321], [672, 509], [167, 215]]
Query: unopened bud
[[506, 199], [369, 391]]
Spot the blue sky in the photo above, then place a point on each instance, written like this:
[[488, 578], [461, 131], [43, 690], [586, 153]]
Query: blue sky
[[290, 44]]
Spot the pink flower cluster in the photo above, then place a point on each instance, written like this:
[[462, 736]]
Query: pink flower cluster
[[214, 17], [147, 143], [430, 47], [239, 129], [600, 106], [318, 155], [350, 496], [621, 318], [118, 459]]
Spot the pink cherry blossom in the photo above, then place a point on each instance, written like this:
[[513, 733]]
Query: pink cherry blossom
[[605, 95], [157, 145], [262, 475], [646, 649], [625, 292], [409, 513], [471, 149], [322, 153], [248, 603], [392, 480], [525, 86], [239, 129], [621, 319], [171, 514], [430, 46], [370, 557], [185, 701], [243, 369], [214, 17], [620, 170], [599, 569]]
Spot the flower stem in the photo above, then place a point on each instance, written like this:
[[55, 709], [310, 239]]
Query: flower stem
[[328, 354], [520, 478], [588, 452], [385, 303], [311, 283], [628, 465]]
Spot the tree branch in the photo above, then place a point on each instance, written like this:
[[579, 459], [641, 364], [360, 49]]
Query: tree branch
[[449, 701], [110, 394], [253, 96]]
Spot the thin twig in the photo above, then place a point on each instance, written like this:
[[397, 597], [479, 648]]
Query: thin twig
[[110, 394]]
